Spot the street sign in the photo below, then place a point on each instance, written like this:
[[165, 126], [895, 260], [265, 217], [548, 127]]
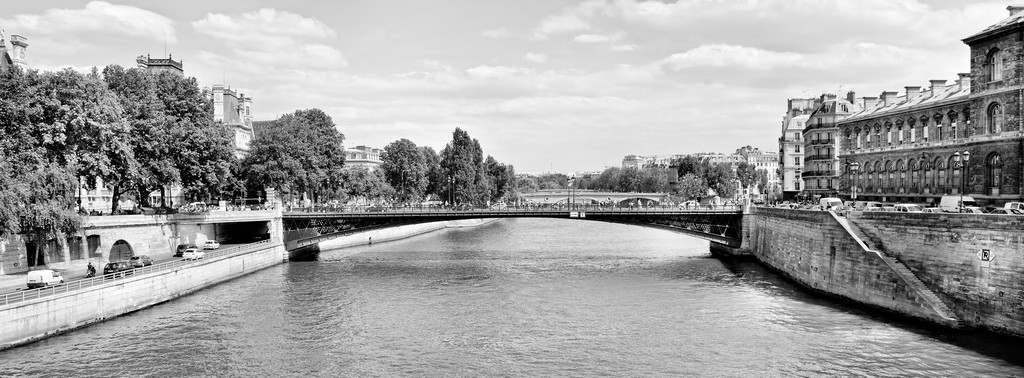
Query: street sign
[[986, 255]]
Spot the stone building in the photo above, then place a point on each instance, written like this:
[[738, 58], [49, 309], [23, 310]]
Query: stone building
[[821, 173], [911, 147], [234, 110], [791, 145], [160, 65], [15, 55], [363, 156]]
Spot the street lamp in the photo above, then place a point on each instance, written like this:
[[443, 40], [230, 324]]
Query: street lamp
[[854, 168], [964, 168], [570, 204], [451, 191]]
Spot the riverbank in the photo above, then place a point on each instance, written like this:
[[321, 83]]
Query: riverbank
[[391, 234]]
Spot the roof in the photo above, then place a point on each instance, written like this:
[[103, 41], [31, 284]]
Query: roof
[[944, 95], [1012, 22]]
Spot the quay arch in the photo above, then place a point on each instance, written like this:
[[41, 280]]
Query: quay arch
[[121, 251]]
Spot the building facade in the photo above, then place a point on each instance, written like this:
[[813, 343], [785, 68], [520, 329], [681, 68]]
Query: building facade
[[234, 110], [821, 173], [160, 65], [363, 156], [791, 145], [960, 139], [15, 55]]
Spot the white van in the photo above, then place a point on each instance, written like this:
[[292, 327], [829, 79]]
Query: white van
[[951, 204], [1014, 206], [43, 278], [831, 203]]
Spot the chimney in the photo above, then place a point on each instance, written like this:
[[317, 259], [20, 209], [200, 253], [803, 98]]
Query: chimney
[[964, 80], [889, 98], [912, 92], [937, 86], [851, 96], [870, 102], [1014, 9]]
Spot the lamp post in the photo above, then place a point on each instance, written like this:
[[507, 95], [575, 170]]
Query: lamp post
[[960, 160], [451, 192], [854, 168], [571, 203]]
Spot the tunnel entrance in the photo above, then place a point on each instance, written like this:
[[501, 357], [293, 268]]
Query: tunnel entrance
[[121, 251]]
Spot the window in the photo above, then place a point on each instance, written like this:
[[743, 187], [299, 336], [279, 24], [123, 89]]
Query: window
[[995, 171], [796, 161], [797, 148], [994, 65], [995, 118]]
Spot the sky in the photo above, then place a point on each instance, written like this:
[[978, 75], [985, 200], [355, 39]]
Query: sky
[[544, 85]]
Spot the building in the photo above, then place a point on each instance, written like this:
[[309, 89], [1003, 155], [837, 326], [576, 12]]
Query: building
[[160, 65], [821, 174], [912, 147], [363, 156], [234, 110], [762, 161], [15, 55], [791, 145]]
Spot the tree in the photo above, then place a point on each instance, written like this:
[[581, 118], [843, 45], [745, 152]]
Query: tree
[[461, 161], [502, 180], [526, 184], [692, 187], [362, 185], [436, 179], [404, 167]]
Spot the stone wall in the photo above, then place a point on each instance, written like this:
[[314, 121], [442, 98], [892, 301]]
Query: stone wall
[[817, 250], [945, 252], [27, 321]]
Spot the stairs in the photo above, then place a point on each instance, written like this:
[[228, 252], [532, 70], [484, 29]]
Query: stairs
[[873, 245]]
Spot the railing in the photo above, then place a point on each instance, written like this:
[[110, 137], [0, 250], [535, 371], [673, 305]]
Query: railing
[[99, 280], [819, 157], [823, 141], [552, 209], [818, 173]]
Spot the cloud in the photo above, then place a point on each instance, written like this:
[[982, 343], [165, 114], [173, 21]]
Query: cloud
[[625, 47], [495, 33], [536, 58], [733, 56], [560, 24], [261, 36], [96, 18]]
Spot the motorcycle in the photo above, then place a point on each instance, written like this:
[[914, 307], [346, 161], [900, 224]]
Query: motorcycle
[[91, 272]]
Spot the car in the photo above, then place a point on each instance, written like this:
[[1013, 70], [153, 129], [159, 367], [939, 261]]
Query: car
[[140, 261], [972, 210], [115, 268], [182, 247], [908, 208], [193, 254], [1003, 211], [1019, 206], [932, 210], [210, 244], [43, 278]]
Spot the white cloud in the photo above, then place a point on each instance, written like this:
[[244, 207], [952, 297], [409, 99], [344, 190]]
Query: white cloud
[[536, 58], [733, 56], [560, 24], [262, 36], [496, 33], [97, 17]]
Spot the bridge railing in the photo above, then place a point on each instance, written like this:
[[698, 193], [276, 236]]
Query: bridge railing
[[99, 280], [510, 209]]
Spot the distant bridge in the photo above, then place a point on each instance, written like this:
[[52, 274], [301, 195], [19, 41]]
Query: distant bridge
[[589, 196], [718, 224]]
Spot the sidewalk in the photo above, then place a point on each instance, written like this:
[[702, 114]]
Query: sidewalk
[[19, 281]]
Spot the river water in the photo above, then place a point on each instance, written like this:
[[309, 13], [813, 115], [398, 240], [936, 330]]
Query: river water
[[516, 297]]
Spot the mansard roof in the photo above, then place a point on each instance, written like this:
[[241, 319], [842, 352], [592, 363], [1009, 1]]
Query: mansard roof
[[946, 95], [1013, 22]]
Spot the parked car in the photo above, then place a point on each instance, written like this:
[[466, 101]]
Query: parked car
[[908, 208], [181, 249], [932, 210], [140, 261], [972, 209], [210, 244], [117, 268], [1019, 206], [1002, 211], [193, 254], [43, 278]]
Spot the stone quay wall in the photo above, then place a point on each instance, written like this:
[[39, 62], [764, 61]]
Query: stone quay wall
[[34, 319], [817, 250], [947, 252]]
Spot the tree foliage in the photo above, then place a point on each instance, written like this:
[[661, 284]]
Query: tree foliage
[[405, 168]]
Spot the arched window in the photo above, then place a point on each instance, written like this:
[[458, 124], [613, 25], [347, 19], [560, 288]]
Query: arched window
[[994, 65], [951, 174], [928, 175], [878, 174], [890, 169], [903, 174], [994, 120], [940, 175], [994, 176]]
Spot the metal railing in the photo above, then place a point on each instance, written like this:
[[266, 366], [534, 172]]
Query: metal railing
[[100, 280], [545, 209]]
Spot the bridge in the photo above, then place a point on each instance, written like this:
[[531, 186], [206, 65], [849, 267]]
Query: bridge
[[556, 196], [720, 224]]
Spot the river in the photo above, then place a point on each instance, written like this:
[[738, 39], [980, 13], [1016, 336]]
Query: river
[[516, 297]]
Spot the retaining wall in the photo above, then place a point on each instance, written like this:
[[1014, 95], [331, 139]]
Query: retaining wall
[[816, 250], [945, 252], [400, 232], [30, 320]]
